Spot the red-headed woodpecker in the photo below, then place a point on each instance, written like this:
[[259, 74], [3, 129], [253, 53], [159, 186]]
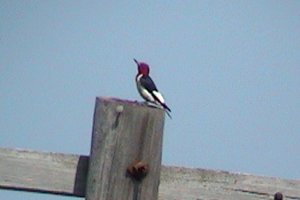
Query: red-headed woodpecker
[[147, 87]]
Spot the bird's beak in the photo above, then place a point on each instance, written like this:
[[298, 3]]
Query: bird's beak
[[136, 61]]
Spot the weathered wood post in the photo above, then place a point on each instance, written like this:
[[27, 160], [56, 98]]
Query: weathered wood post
[[124, 132]]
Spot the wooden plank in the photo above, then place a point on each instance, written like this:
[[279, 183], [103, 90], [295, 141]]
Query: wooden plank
[[66, 175], [122, 133], [200, 184], [34, 171]]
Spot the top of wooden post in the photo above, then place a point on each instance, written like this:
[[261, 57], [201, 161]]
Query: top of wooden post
[[124, 132]]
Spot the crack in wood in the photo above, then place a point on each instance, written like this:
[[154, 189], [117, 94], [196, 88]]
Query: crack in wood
[[262, 193], [252, 192]]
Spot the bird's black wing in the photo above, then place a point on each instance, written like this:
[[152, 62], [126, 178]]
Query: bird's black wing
[[148, 83]]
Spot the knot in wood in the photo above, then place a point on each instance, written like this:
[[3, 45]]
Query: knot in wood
[[138, 170], [278, 196]]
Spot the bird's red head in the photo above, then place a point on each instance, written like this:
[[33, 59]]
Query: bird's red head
[[143, 68]]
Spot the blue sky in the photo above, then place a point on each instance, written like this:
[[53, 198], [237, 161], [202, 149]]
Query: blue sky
[[229, 70]]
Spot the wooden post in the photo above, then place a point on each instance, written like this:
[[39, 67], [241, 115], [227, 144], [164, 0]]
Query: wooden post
[[122, 133]]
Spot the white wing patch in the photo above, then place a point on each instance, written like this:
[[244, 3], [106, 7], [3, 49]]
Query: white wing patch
[[146, 95], [159, 96]]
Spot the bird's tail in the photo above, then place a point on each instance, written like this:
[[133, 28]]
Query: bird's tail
[[168, 113], [165, 107], [167, 110], [161, 106]]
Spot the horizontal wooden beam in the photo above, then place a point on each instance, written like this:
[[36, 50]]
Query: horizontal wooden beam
[[34, 171], [202, 184], [66, 175]]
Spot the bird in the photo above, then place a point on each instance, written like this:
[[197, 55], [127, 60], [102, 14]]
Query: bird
[[147, 88]]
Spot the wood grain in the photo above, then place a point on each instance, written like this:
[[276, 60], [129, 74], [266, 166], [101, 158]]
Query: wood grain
[[34, 171], [202, 184], [65, 174], [122, 133]]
